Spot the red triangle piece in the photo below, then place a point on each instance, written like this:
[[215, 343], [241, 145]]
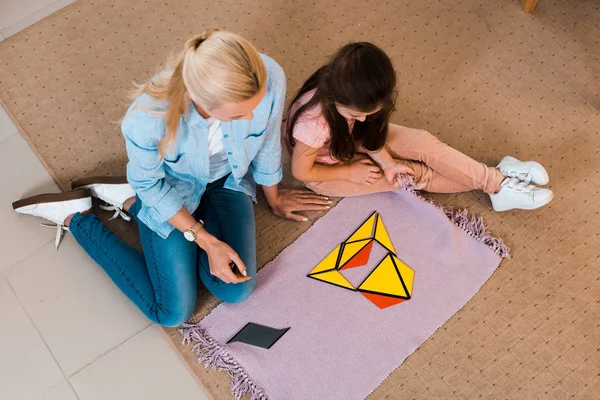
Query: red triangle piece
[[382, 301], [361, 258]]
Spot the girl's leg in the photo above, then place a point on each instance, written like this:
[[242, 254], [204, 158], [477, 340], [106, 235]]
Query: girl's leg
[[161, 282], [451, 170], [229, 216], [434, 182]]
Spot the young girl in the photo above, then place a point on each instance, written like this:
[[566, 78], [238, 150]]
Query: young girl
[[198, 136], [342, 143]]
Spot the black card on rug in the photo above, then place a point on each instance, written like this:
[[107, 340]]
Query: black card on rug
[[258, 335]]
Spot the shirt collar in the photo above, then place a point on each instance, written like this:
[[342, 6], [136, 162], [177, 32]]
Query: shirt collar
[[193, 118]]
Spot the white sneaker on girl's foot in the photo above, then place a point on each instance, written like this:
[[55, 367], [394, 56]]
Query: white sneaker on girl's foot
[[525, 171], [516, 194], [113, 190], [55, 207]]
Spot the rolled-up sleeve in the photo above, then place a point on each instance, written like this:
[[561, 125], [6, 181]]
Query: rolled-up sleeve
[[145, 169], [266, 166]]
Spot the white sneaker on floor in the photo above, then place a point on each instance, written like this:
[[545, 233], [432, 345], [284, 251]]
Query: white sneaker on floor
[[55, 207], [113, 190], [524, 171], [516, 194]]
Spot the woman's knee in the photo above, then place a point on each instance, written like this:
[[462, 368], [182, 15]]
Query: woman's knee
[[236, 293], [176, 314], [173, 319]]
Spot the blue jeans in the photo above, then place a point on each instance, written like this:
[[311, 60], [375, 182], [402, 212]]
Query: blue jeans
[[162, 282]]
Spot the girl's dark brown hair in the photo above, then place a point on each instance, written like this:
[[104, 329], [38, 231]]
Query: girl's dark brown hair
[[360, 76]]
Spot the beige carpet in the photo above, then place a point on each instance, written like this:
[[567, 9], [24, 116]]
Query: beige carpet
[[484, 76]]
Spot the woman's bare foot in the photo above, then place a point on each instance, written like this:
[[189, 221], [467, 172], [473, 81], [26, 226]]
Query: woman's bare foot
[[70, 217], [126, 206], [128, 203], [68, 220]]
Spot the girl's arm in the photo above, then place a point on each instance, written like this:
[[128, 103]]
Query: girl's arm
[[391, 168], [382, 157], [304, 168]]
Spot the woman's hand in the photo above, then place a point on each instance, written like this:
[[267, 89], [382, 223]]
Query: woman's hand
[[364, 171], [289, 201], [220, 256], [392, 170]]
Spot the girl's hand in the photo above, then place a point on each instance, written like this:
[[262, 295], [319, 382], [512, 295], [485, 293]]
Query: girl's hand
[[392, 170], [220, 256], [364, 171], [288, 202]]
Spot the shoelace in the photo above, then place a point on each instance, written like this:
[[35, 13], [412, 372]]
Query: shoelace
[[60, 229], [118, 212], [515, 183], [521, 176]]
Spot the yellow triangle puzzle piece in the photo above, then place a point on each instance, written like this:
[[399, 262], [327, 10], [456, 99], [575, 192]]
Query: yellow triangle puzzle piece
[[407, 274], [384, 280], [350, 250], [365, 231], [382, 236], [328, 263], [333, 277]]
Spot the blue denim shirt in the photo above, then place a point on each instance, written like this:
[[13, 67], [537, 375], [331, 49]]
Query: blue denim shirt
[[165, 184]]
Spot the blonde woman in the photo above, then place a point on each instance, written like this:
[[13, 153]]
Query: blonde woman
[[198, 136]]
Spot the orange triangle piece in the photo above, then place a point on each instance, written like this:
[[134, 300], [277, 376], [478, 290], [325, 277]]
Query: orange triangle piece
[[382, 301], [361, 258]]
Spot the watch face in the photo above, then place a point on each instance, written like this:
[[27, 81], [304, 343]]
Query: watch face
[[188, 236]]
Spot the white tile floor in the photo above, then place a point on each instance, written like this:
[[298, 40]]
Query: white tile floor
[[66, 331]]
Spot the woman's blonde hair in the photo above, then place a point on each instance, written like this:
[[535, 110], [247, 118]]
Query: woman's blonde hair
[[215, 67]]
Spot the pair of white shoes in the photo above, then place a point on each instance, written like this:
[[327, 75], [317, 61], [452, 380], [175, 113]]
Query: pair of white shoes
[[521, 188], [56, 207]]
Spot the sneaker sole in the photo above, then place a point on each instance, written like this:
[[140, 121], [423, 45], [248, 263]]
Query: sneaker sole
[[532, 207], [51, 198], [95, 180]]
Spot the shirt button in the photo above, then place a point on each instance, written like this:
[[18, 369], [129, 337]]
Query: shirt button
[[230, 153], [225, 136], [235, 167]]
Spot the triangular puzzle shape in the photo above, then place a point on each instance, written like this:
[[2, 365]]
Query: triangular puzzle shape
[[390, 282], [329, 263], [333, 277], [382, 301], [382, 236], [384, 279], [361, 258], [365, 231], [349, 250]]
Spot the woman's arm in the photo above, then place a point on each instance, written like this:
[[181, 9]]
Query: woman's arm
[[220, 254], [146, 175], [286, 202], [304, 168]]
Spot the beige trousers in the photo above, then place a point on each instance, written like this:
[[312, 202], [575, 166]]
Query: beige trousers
[[438, 166]]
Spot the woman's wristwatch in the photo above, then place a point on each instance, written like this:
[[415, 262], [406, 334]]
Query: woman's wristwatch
[[190, 234]]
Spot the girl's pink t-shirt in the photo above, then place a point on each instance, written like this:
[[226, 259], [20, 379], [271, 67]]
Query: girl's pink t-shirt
[[312, 129]]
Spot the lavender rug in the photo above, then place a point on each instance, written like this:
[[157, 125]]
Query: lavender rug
[[340, 345]]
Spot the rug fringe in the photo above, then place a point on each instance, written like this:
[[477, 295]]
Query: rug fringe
[[213, 355], [471, 224]]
